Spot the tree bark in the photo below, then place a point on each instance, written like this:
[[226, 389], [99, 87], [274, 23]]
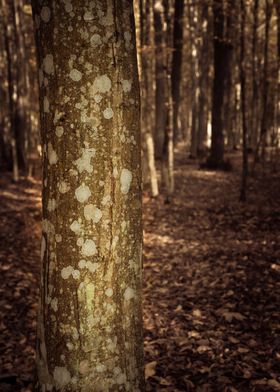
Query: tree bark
[[147, 90], [161, 92], [263, 131], [221, 63], [177, 63], [243, 103], [254, 107], [8, 18], [90, 322]]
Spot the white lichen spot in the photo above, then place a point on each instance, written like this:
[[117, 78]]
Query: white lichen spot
[[51, 205], [115, 241], [101, 84], [75, 227], [108, 19], [48, 64], [97, 98], [66, 272], [129, 294], [109, 292], [76, 274], [100, 368], [123, 225], [61, 376], [45, 14], [84, 367], [121, 379], [54, 303], [80, 241], [70, 346], [82, 193], [88, 248], [63, 187], [82, 263], [75, 75], [83, 163], [88, 16], [106, 200], [46, 105], [52, 156], [91, 212], [58, 237], [43, 247], [57, 116], [126, 85], [126, 178], [68, 6], [92, 267], [108, 113], [95, 40], [59, 131]]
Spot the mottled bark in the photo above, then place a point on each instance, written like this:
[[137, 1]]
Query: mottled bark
[[90, 323]]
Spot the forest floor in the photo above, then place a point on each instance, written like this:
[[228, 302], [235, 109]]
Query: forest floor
[[211, 283]]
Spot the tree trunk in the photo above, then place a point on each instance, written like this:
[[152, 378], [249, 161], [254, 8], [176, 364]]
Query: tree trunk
[[243, 102], [177, 62], [168, 145], [263, 132], [204, 65], [221, 63], [147, 90], [90, 322], [161, 93], [254, 107], [194, 64], [9, 37]]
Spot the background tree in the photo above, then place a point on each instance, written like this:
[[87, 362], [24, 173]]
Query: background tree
[[222, 50]]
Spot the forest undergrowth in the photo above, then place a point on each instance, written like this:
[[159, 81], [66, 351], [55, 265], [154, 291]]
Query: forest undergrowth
[[211, 282]]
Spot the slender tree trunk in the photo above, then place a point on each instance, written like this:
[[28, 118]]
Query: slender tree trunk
[[9, 36], [254, 107], [204, 64], [147, 90], [168, 146], [90, 322], [161, 93], [195, 91], [277, 99], [263, 132], [243, 102], [177, 63], [21, 107]]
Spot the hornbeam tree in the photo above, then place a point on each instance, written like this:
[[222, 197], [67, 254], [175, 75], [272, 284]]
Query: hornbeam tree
[[90, 322]]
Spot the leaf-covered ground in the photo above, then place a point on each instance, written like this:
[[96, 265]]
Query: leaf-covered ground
[[211, 283]]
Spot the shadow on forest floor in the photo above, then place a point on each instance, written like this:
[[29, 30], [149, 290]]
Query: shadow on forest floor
[[211, 283]]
